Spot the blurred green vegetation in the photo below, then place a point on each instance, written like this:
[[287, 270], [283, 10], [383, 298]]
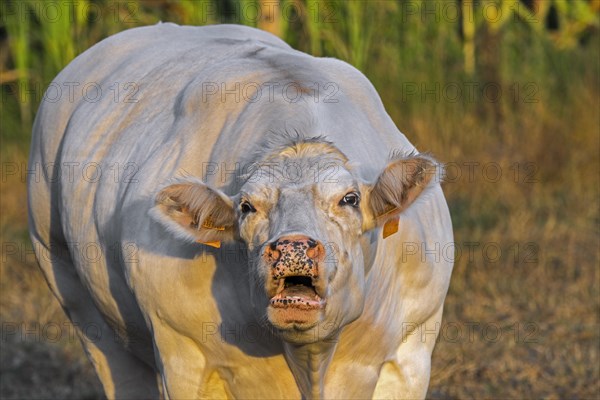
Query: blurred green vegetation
[[393, 42], [488, 86]]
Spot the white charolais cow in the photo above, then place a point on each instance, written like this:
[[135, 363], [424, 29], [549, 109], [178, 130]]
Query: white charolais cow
[[223, 216]]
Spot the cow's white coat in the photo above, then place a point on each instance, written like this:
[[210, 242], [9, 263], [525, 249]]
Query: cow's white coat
[[160, 316]]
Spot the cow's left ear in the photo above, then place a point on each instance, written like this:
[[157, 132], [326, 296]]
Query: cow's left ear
[[400, 183], [193, 211]]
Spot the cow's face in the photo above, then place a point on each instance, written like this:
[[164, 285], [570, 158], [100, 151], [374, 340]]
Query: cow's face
[[301, 214]]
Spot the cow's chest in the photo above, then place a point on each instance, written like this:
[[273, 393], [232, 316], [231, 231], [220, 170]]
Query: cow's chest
[[205, 310]]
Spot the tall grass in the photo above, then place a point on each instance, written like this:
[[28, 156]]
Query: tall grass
[[18, 32], [419, 31]]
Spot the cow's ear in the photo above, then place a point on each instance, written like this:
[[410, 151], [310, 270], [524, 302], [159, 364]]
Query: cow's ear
[[196, 212], [400, 183]]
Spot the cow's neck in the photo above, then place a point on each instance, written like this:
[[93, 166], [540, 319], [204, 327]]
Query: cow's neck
[[309, 363]]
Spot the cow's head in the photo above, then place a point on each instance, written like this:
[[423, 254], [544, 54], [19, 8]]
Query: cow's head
[[301, 216]]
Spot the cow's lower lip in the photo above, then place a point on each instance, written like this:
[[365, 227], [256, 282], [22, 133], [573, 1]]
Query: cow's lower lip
[[296, 314], [296, 305], [293, 294], [300, 302]]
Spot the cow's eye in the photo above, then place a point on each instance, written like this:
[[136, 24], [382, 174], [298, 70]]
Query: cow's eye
[[350, 199], [246, 207]]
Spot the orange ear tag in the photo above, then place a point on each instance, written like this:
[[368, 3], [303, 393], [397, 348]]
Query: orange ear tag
[[216, 245], [391, 227]]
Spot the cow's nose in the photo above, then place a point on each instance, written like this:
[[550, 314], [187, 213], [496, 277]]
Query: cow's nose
[[300, 245]]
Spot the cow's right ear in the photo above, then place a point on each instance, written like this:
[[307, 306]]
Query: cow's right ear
[[193, 211], [400, 183]]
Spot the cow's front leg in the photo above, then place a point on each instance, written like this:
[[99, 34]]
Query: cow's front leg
[[407, 377], [183, 366]]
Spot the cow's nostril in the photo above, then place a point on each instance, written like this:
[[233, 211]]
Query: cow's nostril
[[314, 252], [271, 253]]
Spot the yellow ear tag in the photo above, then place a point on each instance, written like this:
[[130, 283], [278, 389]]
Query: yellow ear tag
[[209, 224], [391, 227]]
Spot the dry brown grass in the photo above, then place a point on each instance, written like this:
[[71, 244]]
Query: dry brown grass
[[41, 356], [543, 300]]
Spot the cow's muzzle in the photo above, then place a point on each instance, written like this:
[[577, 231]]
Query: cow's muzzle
[[296, 264]]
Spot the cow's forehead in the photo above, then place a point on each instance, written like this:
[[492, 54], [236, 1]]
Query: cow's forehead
[[315, 166], [321, 179]]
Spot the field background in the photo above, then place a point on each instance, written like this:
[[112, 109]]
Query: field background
[[506, 92]]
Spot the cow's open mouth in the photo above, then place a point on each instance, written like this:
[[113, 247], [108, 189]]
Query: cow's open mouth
[[297, 292]]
